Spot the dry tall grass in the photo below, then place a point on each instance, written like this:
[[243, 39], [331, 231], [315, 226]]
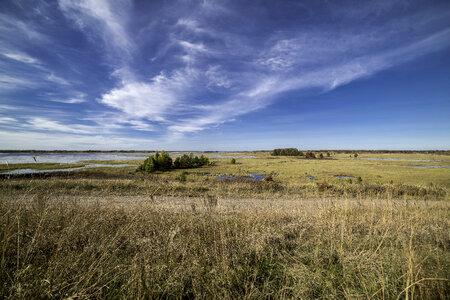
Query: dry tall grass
[[214, 247]]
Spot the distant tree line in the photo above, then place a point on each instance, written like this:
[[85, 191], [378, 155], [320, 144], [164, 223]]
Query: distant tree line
[[296, 152], [286, 152], [163, 162]]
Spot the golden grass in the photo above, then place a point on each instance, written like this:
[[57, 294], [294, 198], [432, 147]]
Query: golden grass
[[211, 247]]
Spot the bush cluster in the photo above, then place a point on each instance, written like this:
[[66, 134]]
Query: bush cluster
[[286, 152], [163, 162], [310, 155], [157, 162]]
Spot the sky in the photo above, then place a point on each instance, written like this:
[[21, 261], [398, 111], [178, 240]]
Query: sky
[[224, 75]]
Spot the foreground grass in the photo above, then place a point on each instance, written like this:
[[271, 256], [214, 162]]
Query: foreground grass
[[73, 247]]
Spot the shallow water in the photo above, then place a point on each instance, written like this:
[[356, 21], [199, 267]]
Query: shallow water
[[422, 166], [416, 166], [64, 158], [254, 177], [401, 159], [310, 177], [230, 156], [344, 176], [31, 171]]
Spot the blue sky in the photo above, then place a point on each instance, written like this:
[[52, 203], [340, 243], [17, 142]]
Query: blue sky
[[224, 75]]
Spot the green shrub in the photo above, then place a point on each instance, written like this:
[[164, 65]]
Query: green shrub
[[310, 155], [163, 162], [355, 155], [233, 161], [286, 152], [190, 161], [157, 162], [182, 177]]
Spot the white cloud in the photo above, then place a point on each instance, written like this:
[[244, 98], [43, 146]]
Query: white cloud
[[192, 47], [217, 76], [21, 57], [70, 101], [150, 100], [75, 99], [192, 25], [141, 125], [12, 82], [56, 79], [7, 107], [11, 28], [7, 120], [38, 123]]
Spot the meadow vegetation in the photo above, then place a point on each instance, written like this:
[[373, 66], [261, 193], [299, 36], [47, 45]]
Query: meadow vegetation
[[183, 233]]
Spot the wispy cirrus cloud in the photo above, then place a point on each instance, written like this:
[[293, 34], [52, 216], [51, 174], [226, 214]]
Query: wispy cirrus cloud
[[24, 58], [45, 124], [64, 141], [185, 67], [107, 18], [70, 100], [7, 120]]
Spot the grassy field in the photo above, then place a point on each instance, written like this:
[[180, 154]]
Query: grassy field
[[118, 234]]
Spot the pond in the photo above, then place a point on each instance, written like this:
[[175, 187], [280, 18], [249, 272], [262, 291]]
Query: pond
[[31, 171], [344, 176]]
